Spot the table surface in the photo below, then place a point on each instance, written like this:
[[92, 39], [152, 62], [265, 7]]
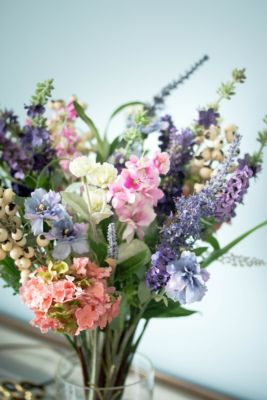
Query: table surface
[[163, 391]]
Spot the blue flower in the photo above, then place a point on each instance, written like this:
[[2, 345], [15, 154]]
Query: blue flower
[[43, 206], [187, 281], [70, 237]]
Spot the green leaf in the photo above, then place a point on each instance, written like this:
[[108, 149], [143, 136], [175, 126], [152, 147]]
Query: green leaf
[[10, 274], [200, 250], [220, 252], [213, 242], [77, 204], [89, 122], [152, 235], [121, 108], [159, 310], [143, 292], [132, 257], [100, 250]]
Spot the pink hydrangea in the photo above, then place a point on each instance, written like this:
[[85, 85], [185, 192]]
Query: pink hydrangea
[[136, 192], [77, 300]]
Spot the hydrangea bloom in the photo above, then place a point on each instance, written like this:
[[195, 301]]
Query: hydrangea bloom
[[70, 237], [43, 205], [187, 282], [157, 276], [76, 300]]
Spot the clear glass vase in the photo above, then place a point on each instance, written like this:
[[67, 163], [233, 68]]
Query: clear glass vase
[[139, 383]]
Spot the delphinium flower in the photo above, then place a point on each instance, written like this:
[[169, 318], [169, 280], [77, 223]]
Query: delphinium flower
[[180, 150], [69, 238], [72, 298], [166, 130], [187, 282], [42, 206], [157, 276], [136, 192]]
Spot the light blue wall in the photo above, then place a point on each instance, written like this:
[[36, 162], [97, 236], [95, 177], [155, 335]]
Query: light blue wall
[[108, 52]]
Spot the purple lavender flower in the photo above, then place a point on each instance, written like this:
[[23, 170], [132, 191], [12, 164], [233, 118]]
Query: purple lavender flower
[[208, 117], [41, 206], [157, 275], [187, 281], [70, 238], [249, 162], [233, 194], [34, 110], [186, 225]]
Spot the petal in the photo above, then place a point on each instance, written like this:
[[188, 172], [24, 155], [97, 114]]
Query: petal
[[61, 251], [37, 226], [80, 246]]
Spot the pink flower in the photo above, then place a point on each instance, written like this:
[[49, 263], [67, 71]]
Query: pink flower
[[45, 323], [79, 266], [37, 295], [162, 162], [72, 114], [63, 290], [86, 318]]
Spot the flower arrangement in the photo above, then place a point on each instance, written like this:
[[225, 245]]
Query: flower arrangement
[[100, 237]]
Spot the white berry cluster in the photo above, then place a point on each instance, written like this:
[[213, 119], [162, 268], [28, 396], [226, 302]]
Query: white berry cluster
[[13, 242], [210, 154]]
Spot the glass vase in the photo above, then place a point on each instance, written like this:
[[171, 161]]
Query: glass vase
[[139, 383]]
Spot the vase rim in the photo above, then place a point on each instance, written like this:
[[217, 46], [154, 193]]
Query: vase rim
[[143, 378]]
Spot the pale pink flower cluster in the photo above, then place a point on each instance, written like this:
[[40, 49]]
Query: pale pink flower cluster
[[64, 134], [76, 300], [136, 192]]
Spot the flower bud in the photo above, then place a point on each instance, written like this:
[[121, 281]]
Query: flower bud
[[16, 252], [230, 131], [11, 209], [28, 252], [198, 187], [205, 172], [7, 245], [42, 241], [3, 234], [17, 234], [21, 242], [24, 276], [3, 254], [23, 263], [8, 195], [217, 155], [206, 154]]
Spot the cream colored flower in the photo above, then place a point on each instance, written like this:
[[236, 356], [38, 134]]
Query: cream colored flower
[[98, 204], [103, 175], [82, 166]]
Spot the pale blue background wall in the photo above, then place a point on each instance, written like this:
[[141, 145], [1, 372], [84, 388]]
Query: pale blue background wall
[[108, 52]]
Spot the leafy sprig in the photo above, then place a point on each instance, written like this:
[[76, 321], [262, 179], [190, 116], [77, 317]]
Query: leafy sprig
[[227, 90], [43, 92]]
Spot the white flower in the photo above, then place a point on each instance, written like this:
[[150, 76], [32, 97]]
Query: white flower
[[103, 175], [98, 204], [82, 166]]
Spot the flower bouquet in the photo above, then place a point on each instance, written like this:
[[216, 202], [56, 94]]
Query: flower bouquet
[[99, 237]]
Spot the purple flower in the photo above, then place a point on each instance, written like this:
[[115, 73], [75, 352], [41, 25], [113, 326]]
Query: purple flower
[[208, 117], [34, 136], [186, 225], [166, 129], [41, 206], [180, 149], [249, 162], [157, 275], [187, 282], [34, 110], [70, 238], [233, 194]]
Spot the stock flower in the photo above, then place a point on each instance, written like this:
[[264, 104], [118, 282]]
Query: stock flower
[[82, 166], [161, 161], [42, 206], [187, 282], [72, 114], [157, 276], [69, 238], [103, 175], [98, 204]]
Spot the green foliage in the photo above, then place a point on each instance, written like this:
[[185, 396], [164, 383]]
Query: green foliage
[[213, 242], [160, 310], [227, 90], [10, 274], [132, 257], [152, 235], [42, 92], [200, 250], [99, 249], [221, 251], [144, 293]]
